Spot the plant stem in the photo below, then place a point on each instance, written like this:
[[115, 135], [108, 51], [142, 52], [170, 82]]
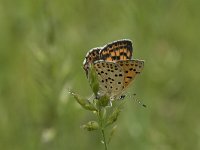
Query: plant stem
[[102, 127], [104, 139]]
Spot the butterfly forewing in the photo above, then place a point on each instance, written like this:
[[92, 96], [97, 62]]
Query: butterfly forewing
[[114, 67], [117, 50], [110, 76]]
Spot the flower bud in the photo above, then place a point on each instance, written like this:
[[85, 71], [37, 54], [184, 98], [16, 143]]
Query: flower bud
[[83, 102], [91, 125]]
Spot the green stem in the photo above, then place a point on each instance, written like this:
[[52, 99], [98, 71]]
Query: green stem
[[100, 118], [104, 139]]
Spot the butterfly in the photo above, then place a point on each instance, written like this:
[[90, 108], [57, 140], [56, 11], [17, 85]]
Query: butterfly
[[114, 67]]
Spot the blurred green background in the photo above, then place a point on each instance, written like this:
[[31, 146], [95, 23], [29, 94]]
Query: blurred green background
[[42, 47]]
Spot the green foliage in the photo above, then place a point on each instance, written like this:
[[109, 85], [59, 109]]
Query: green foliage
[[84, 102], [91, 125], [99, 105], [106, 115], [94, 84], [104, 101], [113, 117], [42, 47], [112, 133]]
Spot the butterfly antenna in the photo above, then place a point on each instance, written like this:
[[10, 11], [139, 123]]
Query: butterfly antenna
[[142, 104], [135, 99], [138, 101]]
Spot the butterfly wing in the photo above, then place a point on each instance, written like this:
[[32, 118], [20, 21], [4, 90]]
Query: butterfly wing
[[117, 50], [110, 77], [114, 67], [90, 57], [130, 68]]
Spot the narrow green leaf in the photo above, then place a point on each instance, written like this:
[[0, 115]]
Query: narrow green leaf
[[113, 117], [83, 102], [112, 133], [93, 80]]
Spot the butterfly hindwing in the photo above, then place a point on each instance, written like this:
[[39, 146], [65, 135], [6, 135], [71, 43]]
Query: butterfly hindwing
[[110, 76], [130, 68], [114, 67]]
